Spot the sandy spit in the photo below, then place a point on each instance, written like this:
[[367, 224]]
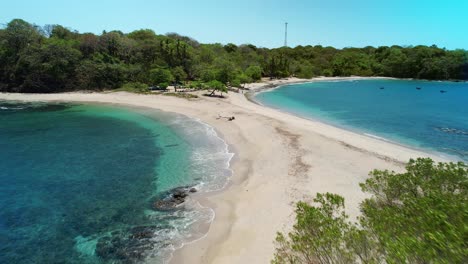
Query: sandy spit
[[280, 159]]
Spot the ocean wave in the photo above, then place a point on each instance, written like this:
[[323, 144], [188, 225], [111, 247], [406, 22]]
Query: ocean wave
[[188, 229], [377, 137], [210, 158], [149, 243], [209, 166], [33, 106], [458, 152], [449, 130], [10, 108]]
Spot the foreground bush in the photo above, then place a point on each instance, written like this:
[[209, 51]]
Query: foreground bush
[[418, 216]]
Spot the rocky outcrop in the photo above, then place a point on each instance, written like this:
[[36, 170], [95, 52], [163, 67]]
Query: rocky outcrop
[[130, 246], [133, 245], [173, 198]]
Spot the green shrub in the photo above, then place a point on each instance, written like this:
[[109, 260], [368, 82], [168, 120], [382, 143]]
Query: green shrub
[[163, 85], [254, 72], [418, 216], [216, 86], [197, 85], [182, 95], [236, 83], [318, 235], [134, 87]]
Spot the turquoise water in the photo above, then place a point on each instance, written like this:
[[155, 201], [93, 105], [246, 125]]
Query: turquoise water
[[395, 110], [78, 182]]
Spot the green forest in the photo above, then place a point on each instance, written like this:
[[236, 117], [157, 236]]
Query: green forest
[[53, 58]]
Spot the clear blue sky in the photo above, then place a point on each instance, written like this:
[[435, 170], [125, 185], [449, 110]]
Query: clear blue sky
[[260, 22]]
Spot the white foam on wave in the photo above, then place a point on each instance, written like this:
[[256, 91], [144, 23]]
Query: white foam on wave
[[183, 232], [210, 161], [377, 137], [210, 157], [11, 108]]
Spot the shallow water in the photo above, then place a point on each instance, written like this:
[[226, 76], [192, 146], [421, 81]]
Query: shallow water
[[394, 110], [78, 182]]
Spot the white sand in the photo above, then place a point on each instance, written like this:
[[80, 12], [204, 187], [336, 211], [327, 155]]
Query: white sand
[[279, 160]]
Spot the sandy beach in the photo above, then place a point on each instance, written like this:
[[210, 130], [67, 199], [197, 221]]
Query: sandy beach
[[279, 160]]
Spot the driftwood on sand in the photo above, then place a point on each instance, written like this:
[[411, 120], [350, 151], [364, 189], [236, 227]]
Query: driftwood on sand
[[229, 118]]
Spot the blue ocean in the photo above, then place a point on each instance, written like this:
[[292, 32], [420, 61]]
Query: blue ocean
[[427, 115], [79, 182]]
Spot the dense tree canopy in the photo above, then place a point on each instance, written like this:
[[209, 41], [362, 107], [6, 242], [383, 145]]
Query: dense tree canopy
[[54, 58]]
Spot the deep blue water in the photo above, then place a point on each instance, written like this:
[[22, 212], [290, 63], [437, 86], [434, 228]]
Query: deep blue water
[[392, 109], [78, 182]]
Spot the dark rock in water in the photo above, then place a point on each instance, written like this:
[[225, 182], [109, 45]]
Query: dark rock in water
[[179, 194], [193, 190], [171, 199], [165, 205], [141, 232], [131, 246]]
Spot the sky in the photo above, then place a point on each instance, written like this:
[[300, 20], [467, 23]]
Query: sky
[[344, 23]]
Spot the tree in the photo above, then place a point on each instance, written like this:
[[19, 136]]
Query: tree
[[351, 62], [19, 34], [418, 216], [393, 62], [197, 85], [88, 44], [278, 66], [98, 75], [225, 70], [306, 71], [50, 67], [179, 74], [254, 72], [230, 47], [147, 47], [216, 86], [160, 75], [111, 43], [208, 74], [61, 32], [236, 83], [240, 80]]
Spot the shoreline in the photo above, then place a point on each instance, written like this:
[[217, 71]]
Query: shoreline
[[252, 93], [279, 159], [265, 85]]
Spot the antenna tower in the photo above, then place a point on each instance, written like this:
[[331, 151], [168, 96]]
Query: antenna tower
[[286, 34]]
